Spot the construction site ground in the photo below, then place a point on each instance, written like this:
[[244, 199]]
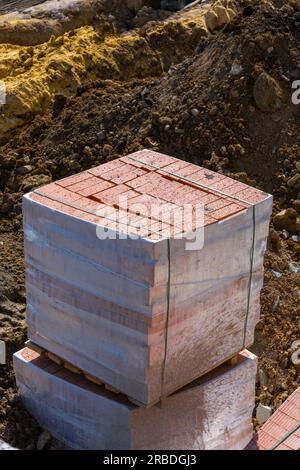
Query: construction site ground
[[105, 82]]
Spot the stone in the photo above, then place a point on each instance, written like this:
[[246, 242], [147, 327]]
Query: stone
[[287, 219], [195, 112], [263, 413], [231, 13], [23, 170], [211, 20], [267, 93], [277, 274], [295, 358], [263, 378], [107, 149], [296, 205], [294, 182], [295, 344], [87, 151], [223, 15], [293, 268], [101, 136], [236, 69], [34, 182], [43, 440], [285, 234]]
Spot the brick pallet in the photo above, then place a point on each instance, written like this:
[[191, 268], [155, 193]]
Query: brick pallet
[[146, 316], [212, 413]]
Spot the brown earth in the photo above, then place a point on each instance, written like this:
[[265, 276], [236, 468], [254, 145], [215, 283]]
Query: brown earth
[[225, 103]]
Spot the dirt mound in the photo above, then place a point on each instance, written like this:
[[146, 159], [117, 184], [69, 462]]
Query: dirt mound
[[34, 75], [222, 100]]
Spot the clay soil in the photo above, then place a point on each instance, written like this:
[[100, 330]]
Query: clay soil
[[227, 105]]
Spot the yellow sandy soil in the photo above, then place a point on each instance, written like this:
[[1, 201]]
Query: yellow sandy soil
[[34, 74]]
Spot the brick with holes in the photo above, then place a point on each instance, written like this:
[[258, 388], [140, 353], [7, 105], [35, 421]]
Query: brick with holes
[[146, 271], [282, 429]]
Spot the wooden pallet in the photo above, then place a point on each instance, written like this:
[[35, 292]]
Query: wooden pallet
[[232, 361], [87, 417]]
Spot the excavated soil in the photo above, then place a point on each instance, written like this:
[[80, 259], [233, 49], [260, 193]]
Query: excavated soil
[[221, 100]]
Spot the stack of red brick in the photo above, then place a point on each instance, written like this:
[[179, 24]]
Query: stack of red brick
[[282, 430], [159, 180], [123, 288]]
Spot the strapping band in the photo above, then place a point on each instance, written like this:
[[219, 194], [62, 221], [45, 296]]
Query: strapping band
[[166, 330], [285, 437], [252, 253], [188, 180], [89, 211]]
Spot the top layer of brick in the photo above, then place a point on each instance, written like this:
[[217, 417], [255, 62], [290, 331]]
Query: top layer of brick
[[151, 179], [282, 426]]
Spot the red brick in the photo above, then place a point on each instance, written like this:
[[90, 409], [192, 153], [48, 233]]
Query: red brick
[[111, 195], [136, 164], [118, 227], [152, 158], [291, 406], [264, 439], [74, 212], [70, 180], [188, 171], [227, 211], [149, 178], [29, 354], [131, 194], [47, 202], [60, 194], [293, 442], [86, 183], [283, 446], [223, 184], [250, 195], [105, 167], [174, 167], [146, 199], [276, 430], [236, 188], [218, 204], [283, 420], [88, 205], [97, 188], [203, 174], [49, 189], [124, 174]]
